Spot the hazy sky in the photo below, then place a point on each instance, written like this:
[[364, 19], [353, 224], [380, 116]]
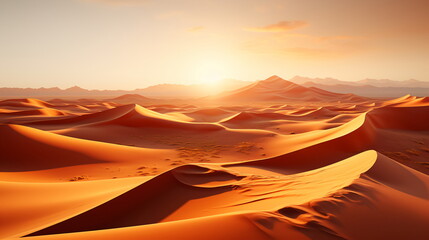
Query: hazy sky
[[127, 44]]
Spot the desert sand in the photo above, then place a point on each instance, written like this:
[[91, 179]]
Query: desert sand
[[272, 160]]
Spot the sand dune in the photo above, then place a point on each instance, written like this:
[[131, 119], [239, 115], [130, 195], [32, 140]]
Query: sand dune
[[43, 112], [245, 116], [209, 114], [267, 202], [133, 125], [297, 170], [126, 115], [409, 118], [299, 121], [24, 103], [363, 133], [97, 117], [193, 191], [46, 150], [47, 207], [276, 89], [27, 110]]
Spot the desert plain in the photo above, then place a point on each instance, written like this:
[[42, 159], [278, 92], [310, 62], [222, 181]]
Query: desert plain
[[271, 160]]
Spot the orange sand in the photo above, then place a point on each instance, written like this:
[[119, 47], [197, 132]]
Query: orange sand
[[292, 163]]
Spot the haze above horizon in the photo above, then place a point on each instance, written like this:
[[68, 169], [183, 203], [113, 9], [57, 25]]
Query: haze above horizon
[[113, 44]]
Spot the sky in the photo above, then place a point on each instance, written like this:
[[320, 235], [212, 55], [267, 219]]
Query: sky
[[128, 44]]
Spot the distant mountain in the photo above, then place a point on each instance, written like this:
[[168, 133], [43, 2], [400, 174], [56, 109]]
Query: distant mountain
[[132, 98], [325, 81], [411, 83], [173, 91], [57, 92], [196, 90], [161, 90], [277, 89], [371, 91], [367, 87]]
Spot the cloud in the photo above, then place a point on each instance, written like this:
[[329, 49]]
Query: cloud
[[119, 2], [282, 26], [304, 46], [196, 29]]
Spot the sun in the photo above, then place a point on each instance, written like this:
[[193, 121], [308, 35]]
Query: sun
[[209, 74], [211, 78]]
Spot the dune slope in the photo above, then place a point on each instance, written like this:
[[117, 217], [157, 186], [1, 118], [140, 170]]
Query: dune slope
[[309, 169]]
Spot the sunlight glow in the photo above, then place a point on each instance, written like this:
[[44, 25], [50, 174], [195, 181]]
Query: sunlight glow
[[211, 73]]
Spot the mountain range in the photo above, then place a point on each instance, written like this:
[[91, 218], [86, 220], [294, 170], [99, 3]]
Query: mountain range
[[368, 87], [365, 87], [275, 88], [165, 90], [411, 83]]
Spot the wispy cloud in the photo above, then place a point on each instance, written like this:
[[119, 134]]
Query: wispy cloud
[[282, 26], [304, 46], [196, 29]]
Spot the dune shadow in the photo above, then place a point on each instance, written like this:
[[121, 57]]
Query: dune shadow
[[148, 203], [22, 153]]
